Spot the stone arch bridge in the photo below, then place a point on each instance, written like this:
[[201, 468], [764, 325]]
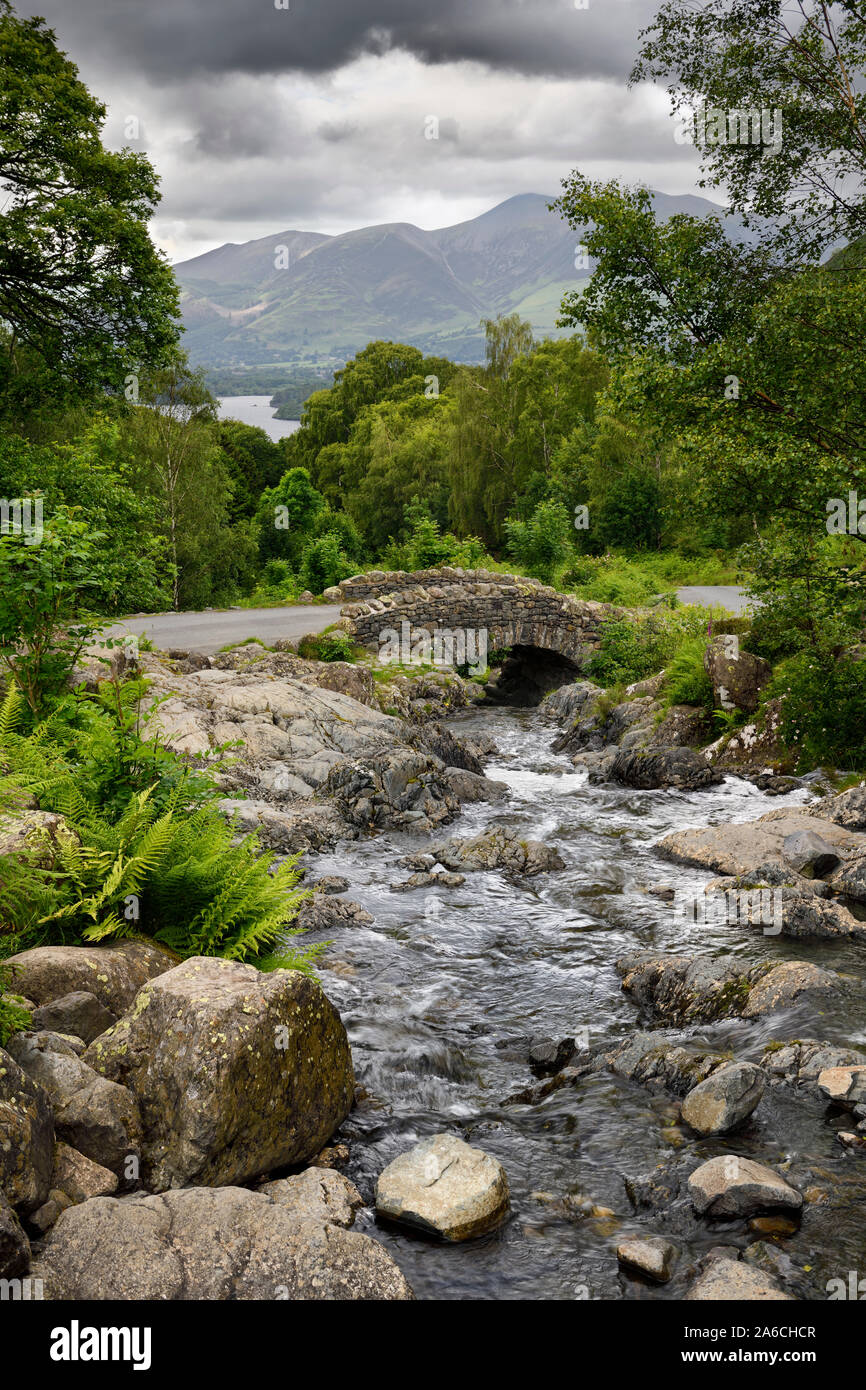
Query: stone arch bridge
[[550, 636]]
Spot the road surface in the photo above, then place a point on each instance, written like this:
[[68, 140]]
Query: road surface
[[209, 631], [729, 596]]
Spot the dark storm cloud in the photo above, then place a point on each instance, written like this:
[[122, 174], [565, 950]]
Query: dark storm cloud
[[166, 38]]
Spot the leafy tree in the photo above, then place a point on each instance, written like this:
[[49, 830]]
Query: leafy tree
[[255, 462], [80, 280], [286, 515], [805, 60]]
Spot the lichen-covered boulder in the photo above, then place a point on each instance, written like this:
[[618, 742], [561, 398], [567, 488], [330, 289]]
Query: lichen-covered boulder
[[236, 1072], [224, 1243], [731, 1281], [738, 677], [26, 1137], [114, 974]]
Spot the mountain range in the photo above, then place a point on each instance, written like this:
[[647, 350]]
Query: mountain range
[[306, 299]]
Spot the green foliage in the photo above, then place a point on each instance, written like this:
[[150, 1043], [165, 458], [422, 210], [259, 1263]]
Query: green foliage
[[14, 1017], [686, 682], [634, 649], [140, 850], [543, 544], [44, 592], [325, 563], [80, 280], [823, 713], [805, 61], [334, 645]]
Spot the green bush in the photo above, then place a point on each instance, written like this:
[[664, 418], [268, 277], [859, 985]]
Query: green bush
[[823, 712], [43, 605], [325, 563], [634, 649], [543, 544], [327, 646]]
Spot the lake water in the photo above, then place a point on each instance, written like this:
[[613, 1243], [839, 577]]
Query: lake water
[[256, 410]]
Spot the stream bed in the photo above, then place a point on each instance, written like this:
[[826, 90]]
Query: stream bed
[[441, 995]]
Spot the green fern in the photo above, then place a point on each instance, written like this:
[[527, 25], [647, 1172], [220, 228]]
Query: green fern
[[170, 870]]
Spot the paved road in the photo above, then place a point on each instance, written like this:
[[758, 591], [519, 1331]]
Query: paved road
[[208, 632], [729, 596]]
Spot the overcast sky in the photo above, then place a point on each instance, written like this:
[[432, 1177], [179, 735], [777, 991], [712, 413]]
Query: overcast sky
[[314, 117]]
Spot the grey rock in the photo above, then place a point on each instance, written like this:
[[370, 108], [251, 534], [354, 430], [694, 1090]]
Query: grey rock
[[325, 913], [725, 1100], [96, 1116], [737, 679], [26, 1137], [222, 1244], [684, 768], [79, 1013], [652, 1256], [444, 1187], [114, 974], [731, 1186], [14, 1245], [79, 1177], [810, 854], [495, 849], [732, 1281]]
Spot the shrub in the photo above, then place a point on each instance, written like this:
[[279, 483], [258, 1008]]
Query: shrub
[[43, 588], [823, 713], [324, 563], [327, 646], [543, 544]]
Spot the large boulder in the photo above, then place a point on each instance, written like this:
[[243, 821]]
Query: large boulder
[[237, 1072], [738, 678], [96, 1116], [113, 974], [223, 1244], [444, 1187], [684, 768], [688, 989], [750, 846], [730, 1186], [725, 1100], [26, 1137], [395, 789]]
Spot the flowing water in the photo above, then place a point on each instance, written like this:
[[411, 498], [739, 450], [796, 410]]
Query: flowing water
[[441, 994]]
